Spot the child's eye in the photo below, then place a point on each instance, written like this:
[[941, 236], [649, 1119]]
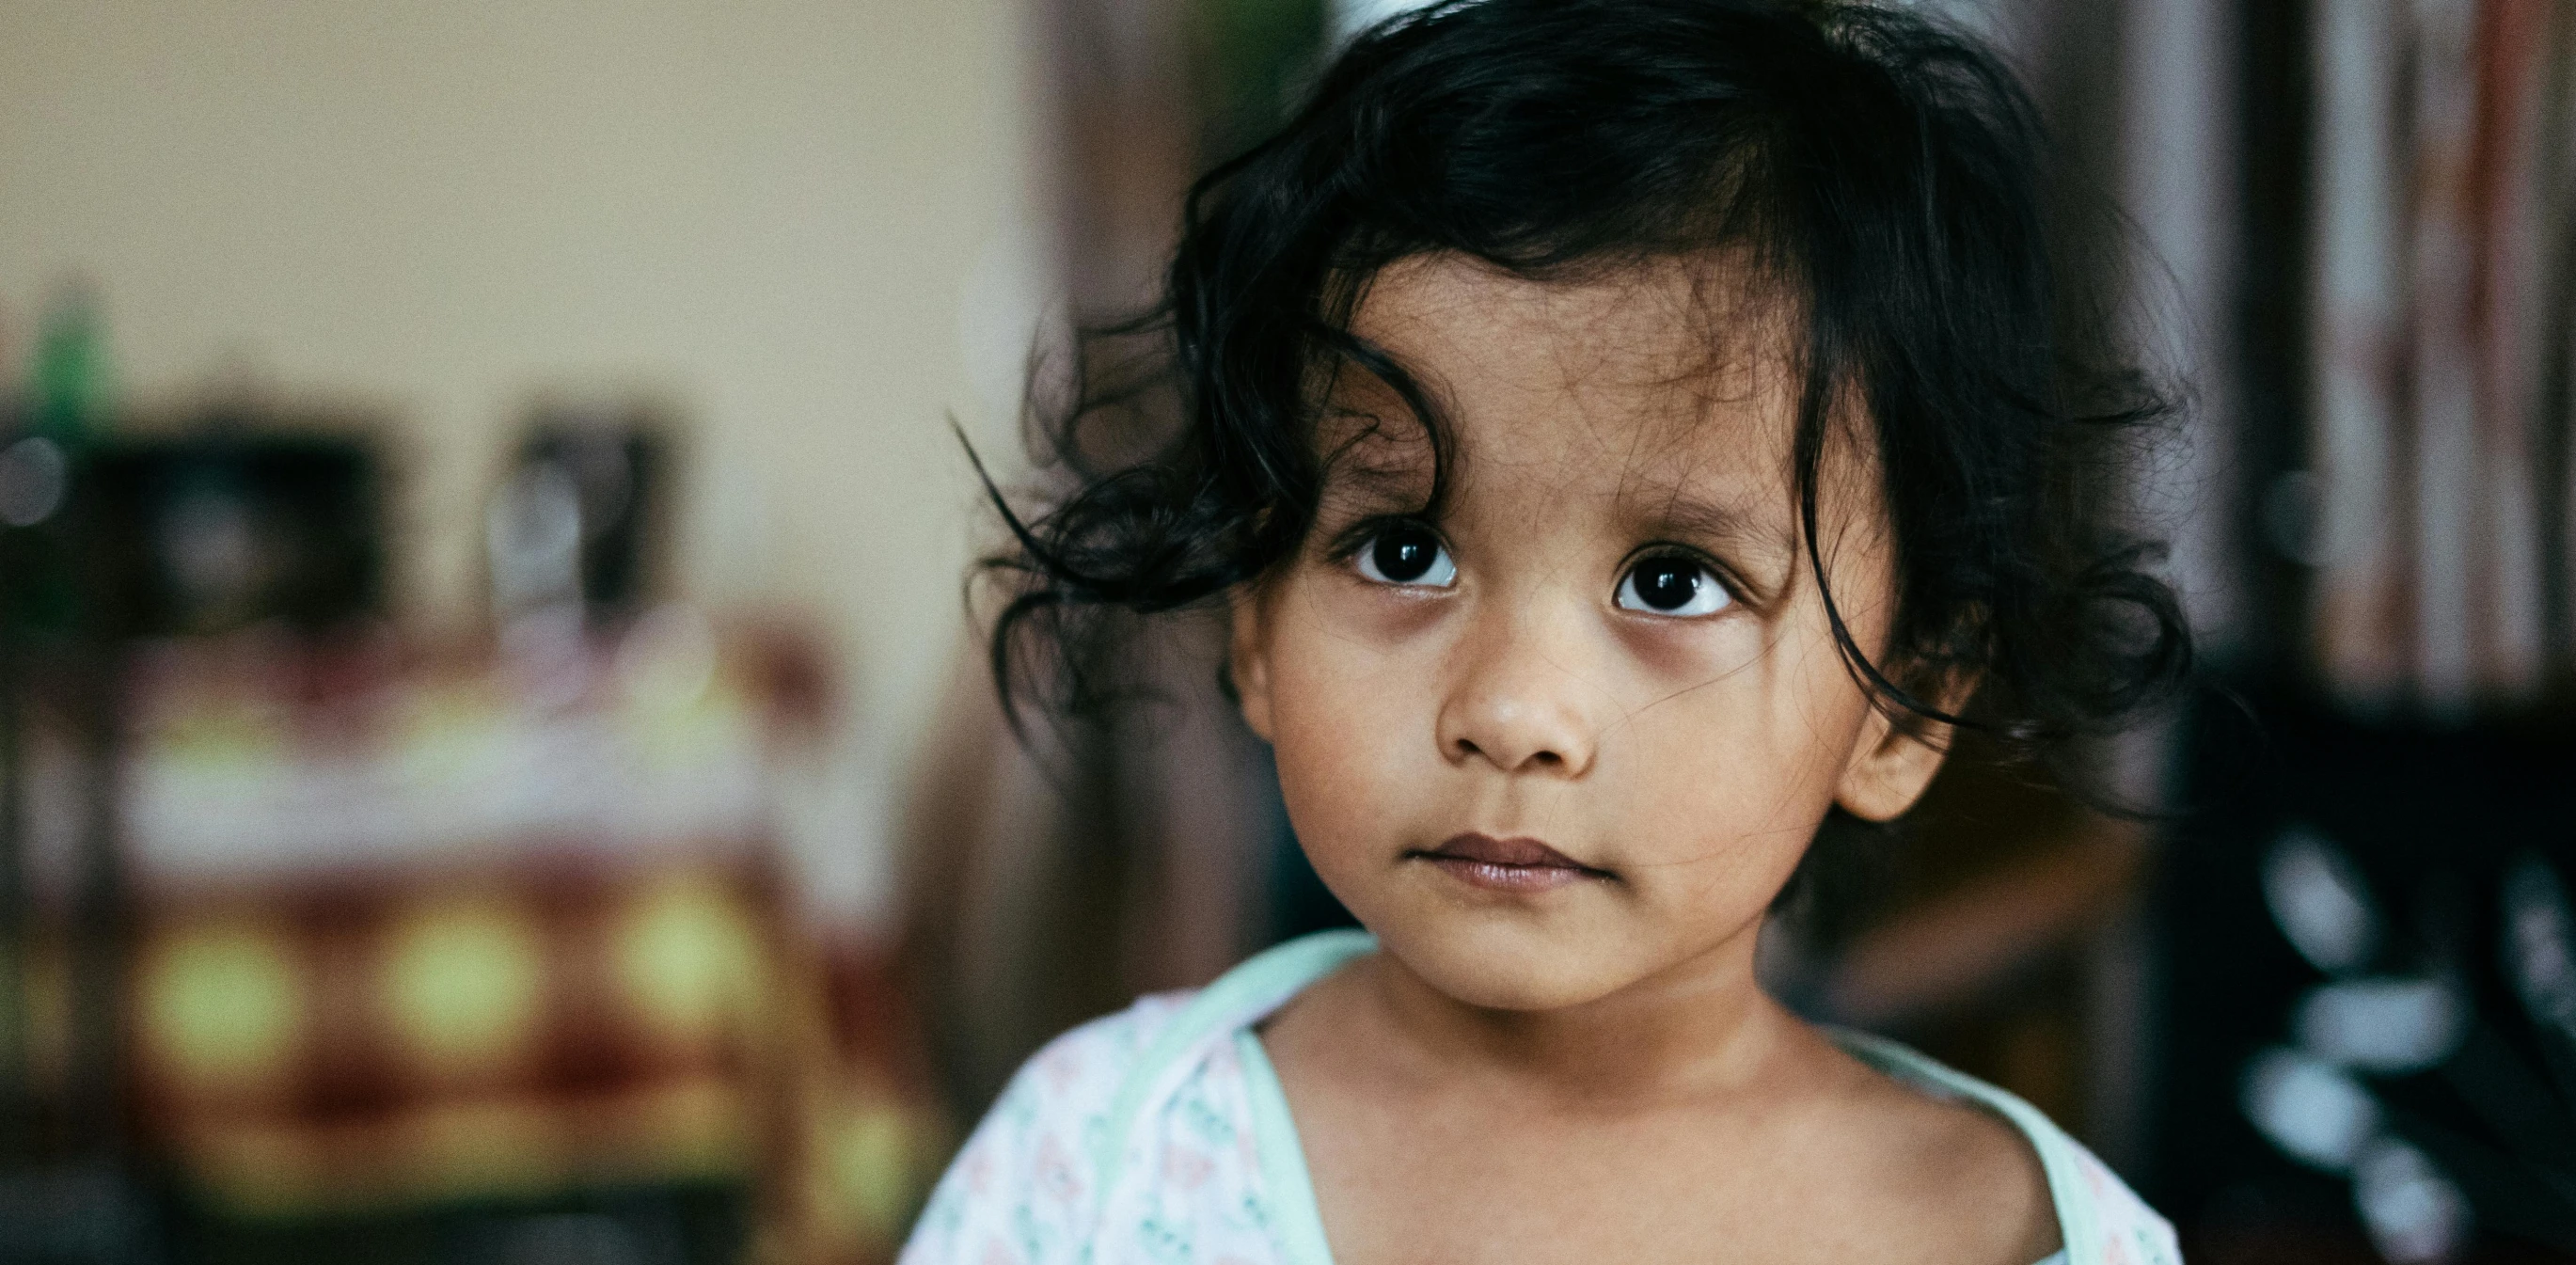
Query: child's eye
[[1410, 556], [1671, 585]]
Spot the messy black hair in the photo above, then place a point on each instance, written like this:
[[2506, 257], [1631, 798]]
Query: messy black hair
[[1886, 173]]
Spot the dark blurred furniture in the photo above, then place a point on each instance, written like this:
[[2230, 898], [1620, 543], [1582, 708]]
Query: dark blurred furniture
[[2432, 818], [582, 516], [233, 519], [234, 522]]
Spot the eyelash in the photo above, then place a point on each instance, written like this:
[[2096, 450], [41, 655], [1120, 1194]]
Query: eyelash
[[1730, 594], [1353, 548], [1346, 551]]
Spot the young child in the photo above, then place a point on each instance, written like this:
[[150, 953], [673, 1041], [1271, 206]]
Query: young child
[[1625, 436]]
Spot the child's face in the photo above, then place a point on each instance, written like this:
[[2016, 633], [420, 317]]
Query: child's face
[[1610, 643]]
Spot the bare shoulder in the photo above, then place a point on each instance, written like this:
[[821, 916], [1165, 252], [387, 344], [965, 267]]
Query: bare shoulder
[[1950, 1170]]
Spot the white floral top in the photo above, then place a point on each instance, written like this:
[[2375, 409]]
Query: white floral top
[[1160, 1135]]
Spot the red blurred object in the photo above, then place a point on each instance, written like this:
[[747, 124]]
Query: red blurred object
[[410, 930]]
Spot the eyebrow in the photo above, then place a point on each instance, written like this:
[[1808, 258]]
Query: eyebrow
[[1686, 515], [1372, 465]]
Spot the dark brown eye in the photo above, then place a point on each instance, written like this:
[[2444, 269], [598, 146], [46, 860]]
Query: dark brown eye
[[1407, 555], [1672, 585]]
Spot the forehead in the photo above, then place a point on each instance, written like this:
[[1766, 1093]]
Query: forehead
[[1653, 375]]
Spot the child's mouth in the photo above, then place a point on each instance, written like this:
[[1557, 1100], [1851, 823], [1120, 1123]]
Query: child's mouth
[[1509, 865]]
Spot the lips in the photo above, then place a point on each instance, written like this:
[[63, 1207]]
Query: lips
[[1507, 865]]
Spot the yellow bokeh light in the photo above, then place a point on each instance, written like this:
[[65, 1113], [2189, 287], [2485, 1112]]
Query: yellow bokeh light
[[462, 984], [871, 1162], [689, 959], [220, 1005]]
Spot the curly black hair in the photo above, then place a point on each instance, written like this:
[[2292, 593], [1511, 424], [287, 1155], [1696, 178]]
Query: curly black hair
[[1887, 173]]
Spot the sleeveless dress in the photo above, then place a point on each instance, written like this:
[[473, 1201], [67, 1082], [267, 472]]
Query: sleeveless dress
[[1160, 1135]]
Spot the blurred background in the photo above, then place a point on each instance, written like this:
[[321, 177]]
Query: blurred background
[[494, 757]]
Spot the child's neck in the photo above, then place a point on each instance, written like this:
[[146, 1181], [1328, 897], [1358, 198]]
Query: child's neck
[[1702, 1026]]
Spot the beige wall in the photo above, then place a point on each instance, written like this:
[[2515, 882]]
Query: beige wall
[[802, 221]]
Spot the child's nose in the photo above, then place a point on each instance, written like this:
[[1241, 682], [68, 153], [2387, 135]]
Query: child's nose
[[1519, 704]]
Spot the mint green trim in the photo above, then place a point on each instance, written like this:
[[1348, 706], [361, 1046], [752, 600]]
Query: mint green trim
[[1300, 1218], [2077, 1226], [1295, 1213], [1237, 999], [1246, 994]]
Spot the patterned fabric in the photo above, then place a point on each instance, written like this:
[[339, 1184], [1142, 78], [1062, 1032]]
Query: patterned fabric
[[1160, 1135]]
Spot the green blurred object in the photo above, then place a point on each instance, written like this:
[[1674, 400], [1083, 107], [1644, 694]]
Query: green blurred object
[[1254, 57], [70, 375], [41, 453]]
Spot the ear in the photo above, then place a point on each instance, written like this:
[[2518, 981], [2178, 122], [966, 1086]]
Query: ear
[[1247, 658], [1890, 766]]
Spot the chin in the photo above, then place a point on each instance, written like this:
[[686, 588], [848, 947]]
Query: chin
[[1501, 967]]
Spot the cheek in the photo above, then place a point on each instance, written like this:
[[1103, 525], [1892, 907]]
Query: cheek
[[1348, 727], [1737, 770]]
